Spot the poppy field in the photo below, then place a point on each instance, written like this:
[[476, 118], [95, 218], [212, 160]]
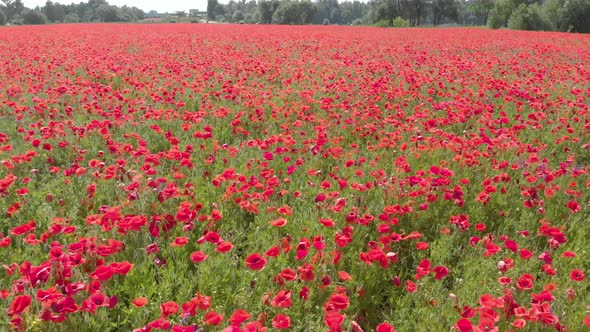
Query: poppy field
[[264, 178]]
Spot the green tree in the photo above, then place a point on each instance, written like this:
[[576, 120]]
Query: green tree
[[12, 8], [500, 13], [294, 12], [33, 17], [87, 11], [443, 8], [399, 22], [48, 9], [307, 10], [266, 9], [384, 10], [138, 13], [128, 14], [551, 9], [529, 17], [336, 16], [2, 17], [324, 10], [107, 13], [71, 18], [181, 13], [97, 3], [574, 16], [417, 10], [238, 16], [84, 12], [54, 12], [250, 10], [211, 5], [481, 8], [286, 13], [219, 10], [352, 11]]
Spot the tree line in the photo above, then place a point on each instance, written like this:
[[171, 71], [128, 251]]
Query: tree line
[[288, 12], [547, 15], [14, 12], [379, 12]]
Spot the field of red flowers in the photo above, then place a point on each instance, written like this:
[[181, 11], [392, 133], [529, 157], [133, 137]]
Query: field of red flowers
[[255, 178]]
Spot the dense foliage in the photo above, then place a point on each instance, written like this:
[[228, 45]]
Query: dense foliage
[[2, 17], [244, 178], [550, 15], [91, 11], [529, 17], [33, 17]]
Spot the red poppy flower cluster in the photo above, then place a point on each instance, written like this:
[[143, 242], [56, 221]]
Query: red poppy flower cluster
[[247, 178]]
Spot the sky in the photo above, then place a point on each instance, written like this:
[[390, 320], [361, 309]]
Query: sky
[[147, 5]]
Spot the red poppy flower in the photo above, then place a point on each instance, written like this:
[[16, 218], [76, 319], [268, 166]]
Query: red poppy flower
[[181, 328], [152, 248], [254, 326], [282, 299], [281, 322], [519, 323], [223, 247], [273, 251], [339, 301], [385, 327], [577, 275], [121, 267], [160, 323], [281, 222], [212, 318], [334, 320], [239, 316], [525, 253], [304, 293], [411, 286], [66, 305], [203, 302], [422, 245], [179, 242], [440, 272], [287, 274], [169, 308], [19, 304], [464, 325], [569, 254], [198, 257], [139, 301], [422, 269], [525, 281], [24, 228], [327, 222], [344, 276], [306, 272], [102, 273], [255, 262]]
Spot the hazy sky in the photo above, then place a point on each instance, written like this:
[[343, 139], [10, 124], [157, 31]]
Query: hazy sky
[[146, 5]]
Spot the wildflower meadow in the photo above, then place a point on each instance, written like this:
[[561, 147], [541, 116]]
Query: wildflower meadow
[[202, 177]]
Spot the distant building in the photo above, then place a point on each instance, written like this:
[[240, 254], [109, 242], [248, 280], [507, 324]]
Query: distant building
[[152, 19], [197, 13], [152, 14]]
